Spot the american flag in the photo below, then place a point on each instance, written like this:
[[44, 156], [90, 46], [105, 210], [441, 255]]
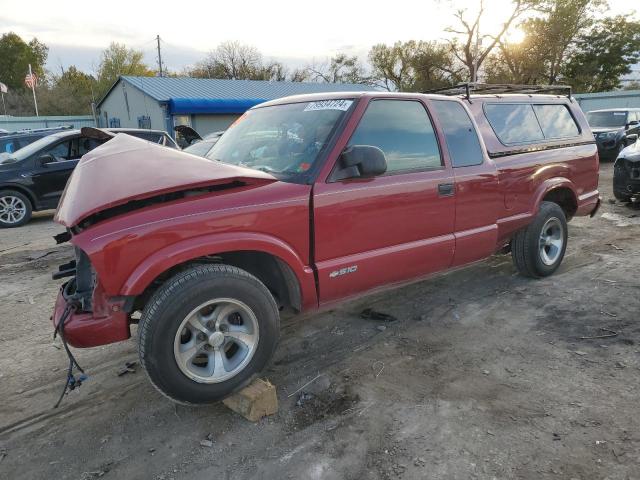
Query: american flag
[[31, 80]]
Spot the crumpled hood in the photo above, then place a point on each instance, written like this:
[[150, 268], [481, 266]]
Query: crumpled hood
[[127, 168]]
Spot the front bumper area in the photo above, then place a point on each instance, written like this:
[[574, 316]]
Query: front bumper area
[[107, 323]]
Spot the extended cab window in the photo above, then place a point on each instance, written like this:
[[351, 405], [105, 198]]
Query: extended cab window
[[459, 133], [514, 123], [528, 123], [556, 121], [403, 131]]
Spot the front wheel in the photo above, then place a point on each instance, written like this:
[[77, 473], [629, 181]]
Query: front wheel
[[15, 209], [207, 332], [538, 249]]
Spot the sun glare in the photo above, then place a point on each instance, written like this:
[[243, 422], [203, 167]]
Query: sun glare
[[515, 35]]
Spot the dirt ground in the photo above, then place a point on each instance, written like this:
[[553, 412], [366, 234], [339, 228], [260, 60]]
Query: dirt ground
[[484, 375]]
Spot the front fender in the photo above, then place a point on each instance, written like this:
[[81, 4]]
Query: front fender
[[192, 248]]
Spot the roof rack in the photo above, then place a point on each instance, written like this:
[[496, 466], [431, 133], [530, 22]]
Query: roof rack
[[467, 89]]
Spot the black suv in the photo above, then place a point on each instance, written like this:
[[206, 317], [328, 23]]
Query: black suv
[[614, 129], [33, 177]]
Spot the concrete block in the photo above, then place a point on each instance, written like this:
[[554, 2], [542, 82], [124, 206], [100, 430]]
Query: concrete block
[[254, 401]]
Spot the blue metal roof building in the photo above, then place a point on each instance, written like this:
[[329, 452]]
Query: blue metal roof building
[[207, 105]]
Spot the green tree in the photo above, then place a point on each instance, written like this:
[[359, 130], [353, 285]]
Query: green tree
[[119, 60], [414, 66], [15, 57], [549, 42], [604, 54], [69, 94]]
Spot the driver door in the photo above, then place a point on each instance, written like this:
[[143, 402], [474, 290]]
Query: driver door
[[394, 227]]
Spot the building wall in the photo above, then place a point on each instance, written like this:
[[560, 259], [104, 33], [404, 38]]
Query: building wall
[[128, 103], [13, 124], [204, 124], [600, 101]]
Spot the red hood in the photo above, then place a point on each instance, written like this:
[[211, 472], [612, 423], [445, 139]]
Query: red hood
[[127, 168]]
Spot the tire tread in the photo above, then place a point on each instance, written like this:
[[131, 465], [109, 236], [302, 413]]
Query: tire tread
[[171, 288]]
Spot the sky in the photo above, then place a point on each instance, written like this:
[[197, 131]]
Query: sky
[[296, 32]]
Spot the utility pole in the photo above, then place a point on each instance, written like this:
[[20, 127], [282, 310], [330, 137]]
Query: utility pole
[[159, 56]]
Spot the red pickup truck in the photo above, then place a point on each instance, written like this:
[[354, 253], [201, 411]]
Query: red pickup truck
[[306, 201]]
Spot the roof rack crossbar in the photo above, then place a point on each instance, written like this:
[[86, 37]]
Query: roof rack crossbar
[[468, 88]]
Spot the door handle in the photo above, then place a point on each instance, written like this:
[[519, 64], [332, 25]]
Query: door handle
[[446, 189]]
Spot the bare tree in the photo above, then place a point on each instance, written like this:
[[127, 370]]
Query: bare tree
[[235, 61], [470, 50], [341, 68]]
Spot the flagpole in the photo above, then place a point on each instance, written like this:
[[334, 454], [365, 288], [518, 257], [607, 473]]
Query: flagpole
[[33, 89]]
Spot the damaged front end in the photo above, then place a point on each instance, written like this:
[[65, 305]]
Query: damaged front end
[[626, 174], [93, 318]]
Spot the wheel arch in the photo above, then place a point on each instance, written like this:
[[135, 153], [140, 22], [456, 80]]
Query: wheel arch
[[560, 191], [272, 261], [23, 190]]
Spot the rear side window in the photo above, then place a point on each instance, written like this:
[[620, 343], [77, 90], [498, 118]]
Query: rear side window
[[459, 133], [529, 123], [556, 121], [514, 123], [403, 131]]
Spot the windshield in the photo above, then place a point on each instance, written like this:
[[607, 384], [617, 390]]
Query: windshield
[[607, 119], [282, 139], [27, 151]]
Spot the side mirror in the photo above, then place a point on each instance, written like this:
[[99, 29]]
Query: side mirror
[[632, 138], [45, 159], [362, 161], [632, 123]]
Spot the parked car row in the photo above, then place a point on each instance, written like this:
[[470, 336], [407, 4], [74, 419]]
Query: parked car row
[[33, 177], [614, 130], [35, 165]]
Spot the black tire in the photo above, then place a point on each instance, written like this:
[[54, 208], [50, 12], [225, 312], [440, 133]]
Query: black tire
[[173, 302], [5, 222], [622, 197], [620, 179], [526, 248]]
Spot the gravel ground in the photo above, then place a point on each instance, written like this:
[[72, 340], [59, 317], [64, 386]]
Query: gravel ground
[[484, 375]]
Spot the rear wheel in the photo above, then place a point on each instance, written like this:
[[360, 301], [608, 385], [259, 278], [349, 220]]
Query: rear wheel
[[207, 332], [538, 249], [15, 209]]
